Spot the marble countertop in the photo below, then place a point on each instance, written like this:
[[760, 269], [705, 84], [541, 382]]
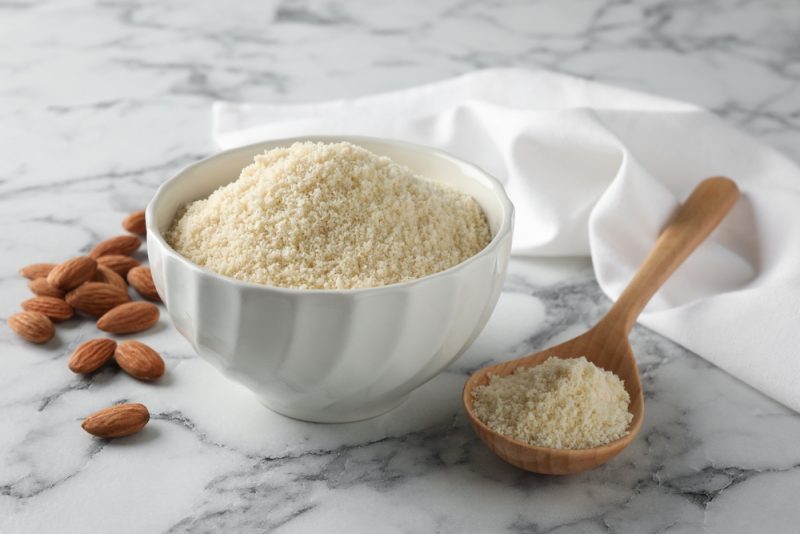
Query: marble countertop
[[100, 100]]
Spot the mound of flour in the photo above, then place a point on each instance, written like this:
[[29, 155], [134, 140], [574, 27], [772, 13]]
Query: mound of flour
[[329, 216]]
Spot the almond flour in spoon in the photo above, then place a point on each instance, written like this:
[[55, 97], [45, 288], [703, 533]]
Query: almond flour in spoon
[[329, 216], [560, 403]]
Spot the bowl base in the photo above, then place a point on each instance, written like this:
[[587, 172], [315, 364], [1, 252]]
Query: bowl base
[[335, 414]]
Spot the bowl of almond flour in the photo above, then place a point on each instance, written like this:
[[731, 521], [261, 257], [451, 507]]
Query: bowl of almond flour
[[331, 276]]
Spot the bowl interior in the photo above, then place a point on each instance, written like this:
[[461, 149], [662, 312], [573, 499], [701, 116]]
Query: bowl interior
[[200, 179]]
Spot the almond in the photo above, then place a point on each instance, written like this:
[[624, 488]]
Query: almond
[[124, 245], [91, 355], [118, 263], [129, 318], [139, 360], [42, 288], [33, 326], [134, 223], [72, 273], [37, 270], [104, 275], [54, 308], [96, 298], [117, 421], [141, 279]]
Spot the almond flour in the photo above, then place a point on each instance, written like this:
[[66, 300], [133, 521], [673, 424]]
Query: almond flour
[[563, 404], [329, 216]]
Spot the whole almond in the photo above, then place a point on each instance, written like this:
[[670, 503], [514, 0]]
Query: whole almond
[[124, 245], [141, 279], [91, 355], [105, 275], [118, 263], [42, 288], [134, 223], [37, 270], [72, 273], [117, 421], [139, 360], [54, 308], [33, 326], [129, 318], [96, 298]]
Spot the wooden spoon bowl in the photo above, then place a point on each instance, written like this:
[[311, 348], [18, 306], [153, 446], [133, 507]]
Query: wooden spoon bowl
[[606, 344], [562, 461]]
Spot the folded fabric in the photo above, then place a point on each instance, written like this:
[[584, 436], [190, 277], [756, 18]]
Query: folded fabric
[[596, 170]]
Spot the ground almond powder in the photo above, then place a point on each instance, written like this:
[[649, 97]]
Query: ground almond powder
[[561, 403], [329, 216]]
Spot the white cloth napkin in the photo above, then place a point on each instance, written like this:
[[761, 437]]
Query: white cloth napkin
[[596, 170]]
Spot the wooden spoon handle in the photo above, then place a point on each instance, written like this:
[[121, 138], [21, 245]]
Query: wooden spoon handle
[[694, 221]]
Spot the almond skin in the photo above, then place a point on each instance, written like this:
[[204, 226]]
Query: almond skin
[[54, 308], [135, 223], [96, 298], [118, 263], [117, 421], [37, 270], [42, 288], [129, 318], [139, 360], [124, 245], [33, 326], [91, 355], [141, 279], [105, 275], [72, 273]]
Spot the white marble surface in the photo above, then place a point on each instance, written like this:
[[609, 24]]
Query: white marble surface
[[101, 100]]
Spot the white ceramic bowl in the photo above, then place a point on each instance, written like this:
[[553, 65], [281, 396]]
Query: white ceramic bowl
[[331, 355]]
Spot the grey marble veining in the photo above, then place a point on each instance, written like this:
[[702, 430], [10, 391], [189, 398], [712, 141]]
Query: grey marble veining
[[100, 100]]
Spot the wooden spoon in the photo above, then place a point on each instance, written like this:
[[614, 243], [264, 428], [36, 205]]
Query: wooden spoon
[[606, 345]]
